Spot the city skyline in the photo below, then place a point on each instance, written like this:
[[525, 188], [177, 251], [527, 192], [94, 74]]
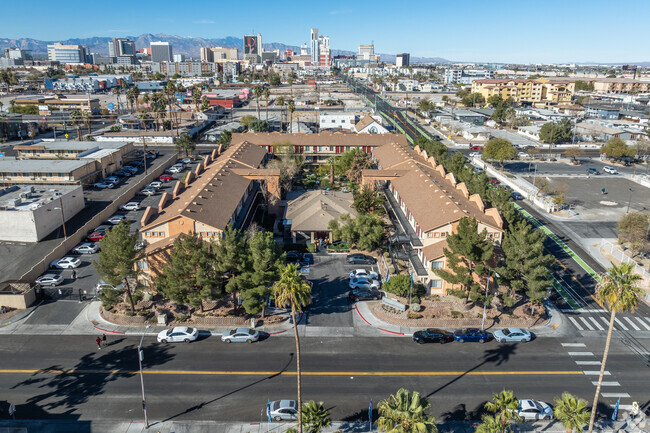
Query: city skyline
[[549, 32]]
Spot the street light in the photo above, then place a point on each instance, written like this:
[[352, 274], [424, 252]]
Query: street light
[[140, 358], [65, 235], [487, 293], [629, 203]]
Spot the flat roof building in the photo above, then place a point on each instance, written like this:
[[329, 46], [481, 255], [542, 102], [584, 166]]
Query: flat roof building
[[161, 52], [59, 172]]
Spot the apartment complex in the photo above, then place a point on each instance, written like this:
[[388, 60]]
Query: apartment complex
[[185, 69], [431, 203], [540, 92], [467, 76], [218, 54], [320, 49], [61, 53], [620, 85], [402, 60]]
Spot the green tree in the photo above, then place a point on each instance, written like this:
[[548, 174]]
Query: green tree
[[399, 285], [366, 231], [556, 132], [501, 108], [274, 80], [467, 254], [462, 93], [205, 103], [185, 143], [351, 162], [292, 289], [616, 148], [292, 108], [280, 101], [265, 258], [315, 417], [499, 149], [76, 119], [573, 152], [231, 259], [491, 424], [526, 266], [247, 120], [405, 412], [619, 290], [257, 92], [424, 105], [572, 412], [188, 275], [118, 257], [633, 229], [267, 96], [432, 147], [258, 125], [504, 406], [585, 86], [367, 200], [472, 99], [225, 138]]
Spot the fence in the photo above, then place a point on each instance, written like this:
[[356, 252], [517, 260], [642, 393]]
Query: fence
[[620, 256], [71, 241]]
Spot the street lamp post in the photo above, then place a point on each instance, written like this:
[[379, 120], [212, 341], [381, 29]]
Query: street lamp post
[[65, 235], [629, 203], [140, 358]]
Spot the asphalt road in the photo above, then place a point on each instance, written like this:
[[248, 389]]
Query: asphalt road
[[210, 380]]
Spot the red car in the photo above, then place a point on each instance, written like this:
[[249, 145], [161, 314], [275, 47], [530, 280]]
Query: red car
[[476, 147], [165, 178], [95, 236], [494, 180]]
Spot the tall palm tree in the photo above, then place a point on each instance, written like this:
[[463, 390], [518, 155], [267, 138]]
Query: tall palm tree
[[87, 119], [267, 95], [170, 91], [280, 102], [404, 412], [75, 118], [491, 424], [197, 93], [292, 108], [504, 405], [572, 412], [293, 290], [146, 99], [290, 81], [257, 92], [315, 417], [117, 90], [620, 291], [144, 120]]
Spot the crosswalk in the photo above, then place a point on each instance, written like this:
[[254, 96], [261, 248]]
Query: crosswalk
[[594, 322]]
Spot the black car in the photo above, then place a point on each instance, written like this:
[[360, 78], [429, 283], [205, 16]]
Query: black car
[[293, 256], [359, 259], [517, 196], [432, 335], [364, 295]]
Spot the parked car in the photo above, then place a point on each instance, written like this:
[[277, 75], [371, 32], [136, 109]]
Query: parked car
[[112, 179], [147, 192], [359, 259], [363, 273], [50, 280], [240, 335], [531, 410], [592, 170], [67, 262], [178, 334], [523, 155], [512, 335], [436, 137], [475, 147], [103, 285], [364, 294], [155, 185], [432, 335], [517, 196], [175, 169], [471, 334], [165, 178], [475, 155], [96, 236], [186, 160], [86, 248], [104, 185], [116, 219], [478, 170], [132, 205], [123, 173], [364, 283], [610, 170], [494, 181], [130, 169], [282, 410], [293, 256]]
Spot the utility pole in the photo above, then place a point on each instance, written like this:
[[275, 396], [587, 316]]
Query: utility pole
[[140, 359]]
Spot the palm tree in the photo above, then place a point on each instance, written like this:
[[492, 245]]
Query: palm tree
[[117, 92], [293, 290], [280, 102], [75, 117], [185, 143], [572, 412], [315, 417], [196, 98], [290, 81], [404, 412], [257, 92], [620, 291], [145, 99], [87, 119], [267, 95], [144, 120], [491, 424], [504, 405], [292, 108]]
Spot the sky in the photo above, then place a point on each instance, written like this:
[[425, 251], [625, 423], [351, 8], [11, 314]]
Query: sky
[[507, 31]]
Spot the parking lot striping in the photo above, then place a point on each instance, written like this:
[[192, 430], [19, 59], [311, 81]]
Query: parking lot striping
[[588, 362], [632, 324], [581, 354], [573, 345], [615, 395], [575, 323], [587, 324], [595, 373], [304, 373], [594, 383], [619, 323], [600, 328]]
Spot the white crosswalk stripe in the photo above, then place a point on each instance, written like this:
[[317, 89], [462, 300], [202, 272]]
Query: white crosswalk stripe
[[595, 383], [615, 394], [573, 345], [619, 323], [600, 328], [587, 324], [642, 322], [575, 323], [595, 373], [588, 362], [606, 322], [581, 354], [632, 324]]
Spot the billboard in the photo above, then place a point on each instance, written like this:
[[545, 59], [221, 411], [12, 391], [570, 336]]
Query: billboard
[[250, 45]]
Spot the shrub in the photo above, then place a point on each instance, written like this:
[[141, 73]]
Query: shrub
[[110, 298], [415, 300], [509, 301], [311, 247], [116, 128], [398, 285], [411, 315], [456, 314], [415, 307], [181, 317], [457, 293]]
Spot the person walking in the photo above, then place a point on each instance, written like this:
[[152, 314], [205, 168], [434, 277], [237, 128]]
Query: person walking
[[74, 275], [104, 340], [99, 343]]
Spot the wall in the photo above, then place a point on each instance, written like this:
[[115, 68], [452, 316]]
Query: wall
[[19, 301]]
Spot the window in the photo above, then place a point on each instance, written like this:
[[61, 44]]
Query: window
[[436, 284], [148, 234], [443, 234], [209, 234], [161, 233], [497, 235], [437, 265], [436, 235], [202, 234], [489, 235], [429, 235], [143, 265]]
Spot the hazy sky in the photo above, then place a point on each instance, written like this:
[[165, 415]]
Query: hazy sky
[[523, 31]]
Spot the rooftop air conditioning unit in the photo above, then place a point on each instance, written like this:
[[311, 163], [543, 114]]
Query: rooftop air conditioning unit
[[25, 194], [14, 201]]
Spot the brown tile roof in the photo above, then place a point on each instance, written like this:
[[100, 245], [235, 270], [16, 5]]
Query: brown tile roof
[[321, 139], [432, 198], [213, 197], [313, 210], [435, 251]]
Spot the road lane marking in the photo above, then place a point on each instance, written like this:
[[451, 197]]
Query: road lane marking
[[640, 320], [595, 383], [615, 394], [587, 324], [304, 373], [619, 323], [573, 345], [581, 354], [575, 322], [595, 373], [627, 407], [600, 328], [588, 362], [632, 324], [606, 322]]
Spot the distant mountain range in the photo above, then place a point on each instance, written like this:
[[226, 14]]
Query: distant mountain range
[[188, 46]]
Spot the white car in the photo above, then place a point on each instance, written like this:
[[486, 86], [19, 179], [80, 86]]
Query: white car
[[66, 263], [116, 219], [282, 410], [104, 185], [147, 192], [364, 283], [475, 155], [178, 334], [86, 248], [362, 273], [50, 280], [531, 410], [103, 285], [610, 170], [132, 205], [155, 185], [240, 335], [175, 169], [111, 179], [523, 155]]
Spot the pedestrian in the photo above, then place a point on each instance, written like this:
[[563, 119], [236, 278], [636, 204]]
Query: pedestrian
[[74, 275], [104, 340], [99, 343]]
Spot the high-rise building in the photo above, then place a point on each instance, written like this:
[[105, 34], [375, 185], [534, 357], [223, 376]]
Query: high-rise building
[[18, 54], [61, 53], [315, 48], [253, 48], [324, 57], [402, 60], [179, 57], [121, 47], [216, 54], [367, 55], [161, 52], [303, 50]]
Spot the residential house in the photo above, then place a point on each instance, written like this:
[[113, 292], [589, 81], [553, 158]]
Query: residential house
[[370, 125]]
